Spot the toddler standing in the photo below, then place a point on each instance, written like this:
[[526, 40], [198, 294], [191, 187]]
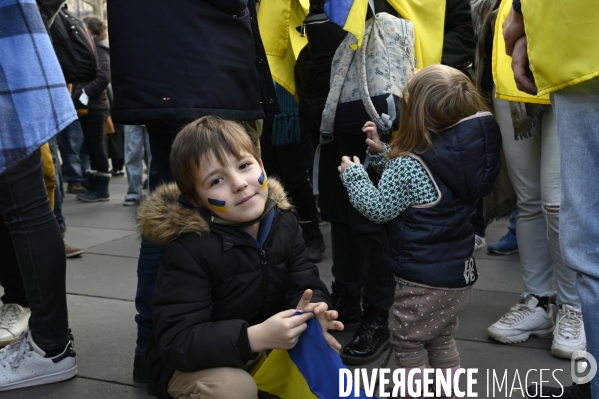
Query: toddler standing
[[444, 158]]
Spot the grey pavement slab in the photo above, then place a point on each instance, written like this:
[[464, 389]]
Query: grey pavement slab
[[127, 246], [85, 237], [105, 333], [104, 215], [103, 276], [498, 274]]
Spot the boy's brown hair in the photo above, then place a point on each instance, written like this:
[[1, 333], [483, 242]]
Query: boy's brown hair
[[208, 139], [434, 99]]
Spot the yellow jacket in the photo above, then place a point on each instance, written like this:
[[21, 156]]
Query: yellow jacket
[[563, 46], [279, 18]]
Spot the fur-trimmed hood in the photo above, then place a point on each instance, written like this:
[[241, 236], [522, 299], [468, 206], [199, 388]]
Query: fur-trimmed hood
[[162, 218]]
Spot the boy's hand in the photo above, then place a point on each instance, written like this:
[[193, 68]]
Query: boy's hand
[[326, 318], [346, 163], [281, 331], [373, 141]]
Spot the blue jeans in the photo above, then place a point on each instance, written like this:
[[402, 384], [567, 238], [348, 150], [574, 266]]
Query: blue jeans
[[70, 142], [577, 111], [136, 138], [29, 223], [161, 135]]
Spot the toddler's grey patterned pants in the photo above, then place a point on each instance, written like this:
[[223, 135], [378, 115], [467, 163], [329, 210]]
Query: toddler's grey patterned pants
[[426, 318]]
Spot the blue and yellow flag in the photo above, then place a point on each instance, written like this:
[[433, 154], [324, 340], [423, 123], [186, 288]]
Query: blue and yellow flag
[[350, 15], [310, 370]]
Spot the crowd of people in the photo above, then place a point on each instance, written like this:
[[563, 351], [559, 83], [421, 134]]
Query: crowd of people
[[230, 226]]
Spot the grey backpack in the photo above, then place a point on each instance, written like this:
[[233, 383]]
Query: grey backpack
[[367, 84]]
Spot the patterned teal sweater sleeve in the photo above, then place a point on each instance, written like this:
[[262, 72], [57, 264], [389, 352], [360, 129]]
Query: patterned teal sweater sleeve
[[379, 161], [404, 182]]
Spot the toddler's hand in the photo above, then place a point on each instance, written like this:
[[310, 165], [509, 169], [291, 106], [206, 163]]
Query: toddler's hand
[[373, 141], [326, 318], [346, 163], [281, 331]]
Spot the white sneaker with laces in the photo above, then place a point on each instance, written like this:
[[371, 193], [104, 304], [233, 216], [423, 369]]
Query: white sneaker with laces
[[522, 321], [569, 335], [14, 319], [22, 364], [479, 242]]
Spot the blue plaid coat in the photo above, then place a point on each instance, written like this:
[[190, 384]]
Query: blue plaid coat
[[34, 100]]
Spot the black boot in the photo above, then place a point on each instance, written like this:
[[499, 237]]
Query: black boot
[[371, 339], [346, 304], [98, 190], [314, 240]]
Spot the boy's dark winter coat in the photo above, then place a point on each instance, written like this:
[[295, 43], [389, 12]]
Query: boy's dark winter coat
[[184, 59], [214, 283]]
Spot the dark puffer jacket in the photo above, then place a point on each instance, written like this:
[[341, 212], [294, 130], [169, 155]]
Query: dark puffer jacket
[[184, 59], [432, 244], [213, 283], [96, 89]]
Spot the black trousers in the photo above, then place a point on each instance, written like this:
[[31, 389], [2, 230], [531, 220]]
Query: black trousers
[[357, 248], [93, 130], [31, 244], [291, 164]]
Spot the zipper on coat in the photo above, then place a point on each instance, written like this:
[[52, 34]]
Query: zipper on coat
[[264, 277]]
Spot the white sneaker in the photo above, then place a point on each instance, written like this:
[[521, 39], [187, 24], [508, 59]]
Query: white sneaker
[[14, 319], [479, 242], [522, 321], [22, 364], [568, 336]]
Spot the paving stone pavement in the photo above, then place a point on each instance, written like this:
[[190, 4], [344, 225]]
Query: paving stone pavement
[[101, 289]]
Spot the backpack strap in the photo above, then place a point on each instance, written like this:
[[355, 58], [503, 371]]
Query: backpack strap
[[384, 121]]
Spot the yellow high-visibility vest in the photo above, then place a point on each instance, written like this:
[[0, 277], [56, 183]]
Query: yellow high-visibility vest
[[282, 42]]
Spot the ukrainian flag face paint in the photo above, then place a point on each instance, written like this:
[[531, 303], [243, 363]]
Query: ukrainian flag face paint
[[262, 180], [217, 205], [235, 190]]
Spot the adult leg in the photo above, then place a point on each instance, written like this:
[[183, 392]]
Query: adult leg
[[533, 315], [161, 136], [39, 248], [134, 142], [291, 163], [569, 335], [577, 114], [523, 158], [70, 141], [372, 337], [93, 129]]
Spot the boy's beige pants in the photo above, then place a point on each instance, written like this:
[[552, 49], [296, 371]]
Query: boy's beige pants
[[215, 383]]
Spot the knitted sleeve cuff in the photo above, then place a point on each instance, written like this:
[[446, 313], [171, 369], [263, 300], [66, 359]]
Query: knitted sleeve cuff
[[243, 345], [353, 173]]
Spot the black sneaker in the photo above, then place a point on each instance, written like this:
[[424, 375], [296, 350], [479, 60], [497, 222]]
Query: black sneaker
[[371, 339], [139, 369], [347, 304], [575, 391]]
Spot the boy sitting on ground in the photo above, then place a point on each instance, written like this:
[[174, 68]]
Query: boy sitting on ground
[[234, 271]]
